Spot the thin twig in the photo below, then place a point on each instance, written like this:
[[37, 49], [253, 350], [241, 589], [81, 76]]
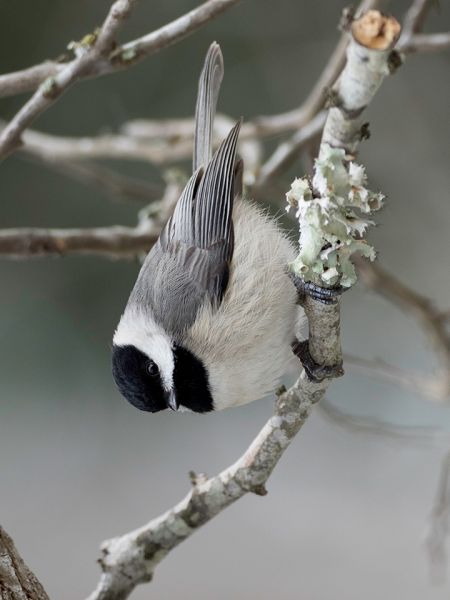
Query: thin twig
[[382, 282], [364, 424], [287, 152], [438, 528], [111, 242], [112, 184], [415, 17], [56, 85], [426, 42], [132, 558], [428, 386], [29, 79]]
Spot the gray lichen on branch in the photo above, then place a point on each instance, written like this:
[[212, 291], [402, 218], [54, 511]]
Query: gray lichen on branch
[[332, 213]]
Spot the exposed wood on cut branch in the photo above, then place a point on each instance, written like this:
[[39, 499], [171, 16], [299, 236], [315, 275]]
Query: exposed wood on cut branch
[[17, 582]]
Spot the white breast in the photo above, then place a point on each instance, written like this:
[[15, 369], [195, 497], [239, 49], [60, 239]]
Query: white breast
[[246, 343]]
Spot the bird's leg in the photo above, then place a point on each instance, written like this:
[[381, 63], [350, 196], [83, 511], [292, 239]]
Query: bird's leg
[[313, 370], [316, 292]]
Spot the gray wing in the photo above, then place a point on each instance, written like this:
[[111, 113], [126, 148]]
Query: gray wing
[[190, 262], [208, 93]]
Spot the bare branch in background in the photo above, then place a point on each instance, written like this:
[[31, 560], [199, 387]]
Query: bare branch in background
[[426, 42], [288, 152], [415, 17], [114, 185], [98, 57], [111, 242], [29, 79], [315, 101], [432, 320], [428, 385], [439, 524], [364, 424], [96, 51], [412, 40], [17, 582]]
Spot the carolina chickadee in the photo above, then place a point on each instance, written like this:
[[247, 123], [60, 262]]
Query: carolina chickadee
[[212, 317]]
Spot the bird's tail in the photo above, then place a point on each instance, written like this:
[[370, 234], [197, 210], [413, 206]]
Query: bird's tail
[[205, 110]]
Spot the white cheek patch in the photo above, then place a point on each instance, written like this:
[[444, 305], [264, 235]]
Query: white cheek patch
[[142, 332]]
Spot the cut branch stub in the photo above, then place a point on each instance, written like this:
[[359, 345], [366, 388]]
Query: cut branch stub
[[372, 38]]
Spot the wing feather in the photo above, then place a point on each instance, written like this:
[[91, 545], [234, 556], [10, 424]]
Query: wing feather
[[205, 110], [190, 263]]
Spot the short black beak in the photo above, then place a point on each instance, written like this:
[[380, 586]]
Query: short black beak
[[171, 400]]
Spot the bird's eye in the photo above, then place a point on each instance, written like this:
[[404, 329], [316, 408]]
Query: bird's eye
[[152, 369]]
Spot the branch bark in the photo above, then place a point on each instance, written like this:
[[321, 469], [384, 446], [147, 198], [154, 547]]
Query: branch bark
[[17, 582]]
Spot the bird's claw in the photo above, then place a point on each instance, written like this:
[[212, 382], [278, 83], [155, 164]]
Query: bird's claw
[[316, 292], [313, 370]]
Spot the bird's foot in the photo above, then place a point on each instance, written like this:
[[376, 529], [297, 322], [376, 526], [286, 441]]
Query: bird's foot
[[314, 291], [313, 370]]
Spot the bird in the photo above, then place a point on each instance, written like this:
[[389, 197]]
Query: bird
[[214, 316]]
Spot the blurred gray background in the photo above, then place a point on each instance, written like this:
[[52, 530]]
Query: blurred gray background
[[346, 511]]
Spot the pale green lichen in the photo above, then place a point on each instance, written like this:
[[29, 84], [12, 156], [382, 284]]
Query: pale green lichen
[[49, 86], [128, 54], [82, 46], [332, 211]]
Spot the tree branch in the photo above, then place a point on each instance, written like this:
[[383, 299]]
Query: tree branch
[[111, 242], [439, 523], [99, 46], [131, 559], [17, 582], [27, 80], [114, 185], [426, 42], [288, 152], [97, 58]]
